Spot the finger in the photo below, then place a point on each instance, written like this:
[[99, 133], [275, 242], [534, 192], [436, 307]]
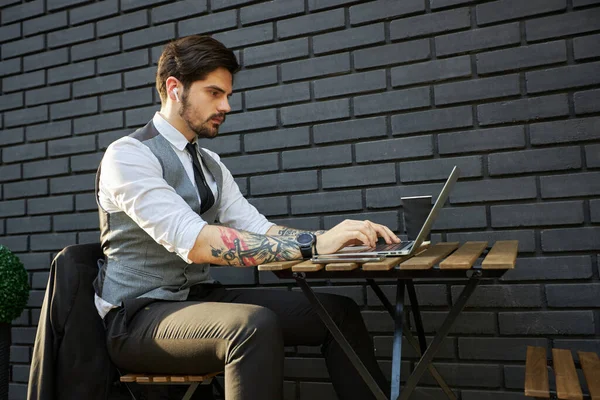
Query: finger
[[358, 235], [387, 234], [367, 229]]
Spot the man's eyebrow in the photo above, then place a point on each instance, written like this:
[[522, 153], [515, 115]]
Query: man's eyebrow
[[215, 87]]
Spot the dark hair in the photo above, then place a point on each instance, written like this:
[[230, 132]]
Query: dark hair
[[190, 59]]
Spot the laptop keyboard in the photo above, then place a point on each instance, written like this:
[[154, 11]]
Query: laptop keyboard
[[393, 247]]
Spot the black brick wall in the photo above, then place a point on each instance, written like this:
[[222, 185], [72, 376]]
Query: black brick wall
[[342, 107]]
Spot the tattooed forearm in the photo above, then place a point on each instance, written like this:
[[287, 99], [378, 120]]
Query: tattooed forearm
[[242, 248], [284, 231]]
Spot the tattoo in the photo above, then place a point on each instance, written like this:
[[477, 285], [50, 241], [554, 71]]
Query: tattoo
[[248, 249], [283, 231]]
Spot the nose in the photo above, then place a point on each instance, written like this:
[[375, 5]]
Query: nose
[[224, 106]]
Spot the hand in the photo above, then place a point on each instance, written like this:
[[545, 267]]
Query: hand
[[352, 231]]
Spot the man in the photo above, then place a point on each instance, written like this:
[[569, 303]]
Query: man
[[160, 198]]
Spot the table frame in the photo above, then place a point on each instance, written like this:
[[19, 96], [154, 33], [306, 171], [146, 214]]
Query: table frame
[[404, 280]]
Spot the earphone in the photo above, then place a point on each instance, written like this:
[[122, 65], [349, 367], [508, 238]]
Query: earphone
[[176, 95]]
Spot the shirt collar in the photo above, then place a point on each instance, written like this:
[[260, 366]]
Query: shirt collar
[[169, 132]]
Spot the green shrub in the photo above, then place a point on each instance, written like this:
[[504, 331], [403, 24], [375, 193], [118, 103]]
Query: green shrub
[[14, 286]]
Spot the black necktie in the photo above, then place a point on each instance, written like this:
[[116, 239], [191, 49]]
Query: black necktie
[[206, 197]]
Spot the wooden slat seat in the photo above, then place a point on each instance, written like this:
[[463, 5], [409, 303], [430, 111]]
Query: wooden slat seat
[[567, 382], [502, 255], [536, 373], [430, 257], [590, 364], [465, 256]]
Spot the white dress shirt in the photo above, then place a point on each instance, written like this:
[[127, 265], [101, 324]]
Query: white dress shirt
[[131, 181]]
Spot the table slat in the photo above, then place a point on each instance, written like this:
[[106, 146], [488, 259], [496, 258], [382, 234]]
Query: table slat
[[503, 255], [590, 364], [567, 382], [278, 265], [536, 373], [430, 257], [341, 266], [202, 378], [307, 266], [465, 256], [384, 265], [180, 378], [160, 379]]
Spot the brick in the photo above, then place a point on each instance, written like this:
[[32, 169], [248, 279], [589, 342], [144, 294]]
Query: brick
[[427, 170], [522, 57], [359, 176], [19, 354], [431, 120], [495, 395], [482, 140], [97, 48], [477, 375], [427, 294], [431, 71], [35, 261], [46, 59], [11, 101], [25, 189], [278, 139], [270, 205], [244, 165], [12, 208], [140, 77], [570, 185], [93, 12], [23, 152], [208, 24], [477, 89], [284, 183], [85, 202], [10, 67], [468, 322], [122, 23], [311, 23], [314, 5], [350, 130], [249, 121], [55, 4], [70, 184], [575, 345], [587, 101], [502, 296], [97, 85], [277, 51], [427, 24], [74, 108], [558, 213], [477, 39], [10, 32], [573, 295], [47, 131], [494, 190], [127, 99], [313, 112], [391, 54], [178, 10], [140, 116], [75, 222], [573, 130], [71, 72], [571, 239], [563, 77], [123, 61], [271, 10], [50, 205], [586, 46], [15, 243], [10, 173], [592, 156], [44, 24], [501, 349], [105, 139], [294, 367], [523, 109], [346, 200], [88, 237], [315, 67], [148, 36], [282, 94], [350, 84], [26, 116], [48, 95], [71, 145], [27, 225], [22, 11], [11, 136], [583, 3], [230, 144], [53, 167], [387, 218], [384, 10], [512, 9], [251, 78], [349, 38], [394, 149], [555, 159], [563, 25], [23, 81], [316, 157], [128, 5], [546, 323], [595, 210], [392, 101], [52, 241], [72, 35], [378, 321], [453, 218]]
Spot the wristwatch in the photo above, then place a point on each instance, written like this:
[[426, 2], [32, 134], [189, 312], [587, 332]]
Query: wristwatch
[[306, 241]]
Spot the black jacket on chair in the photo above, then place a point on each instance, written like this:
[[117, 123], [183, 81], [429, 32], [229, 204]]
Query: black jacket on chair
[[70, 360]]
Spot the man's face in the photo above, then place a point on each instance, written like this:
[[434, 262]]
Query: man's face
[[205, 103]]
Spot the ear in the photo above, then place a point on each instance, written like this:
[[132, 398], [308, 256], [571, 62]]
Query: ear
[[176, 94]]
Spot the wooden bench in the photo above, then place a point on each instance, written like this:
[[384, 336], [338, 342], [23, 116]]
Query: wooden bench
[[567, 381], [193, 380]]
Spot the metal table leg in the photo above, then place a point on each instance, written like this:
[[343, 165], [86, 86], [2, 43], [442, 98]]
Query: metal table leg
[[338, 336], [414, 305], [397, 345]]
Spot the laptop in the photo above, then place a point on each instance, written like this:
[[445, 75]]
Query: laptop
[[365, 254]]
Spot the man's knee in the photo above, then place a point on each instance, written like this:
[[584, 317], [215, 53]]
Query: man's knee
[[338, 306]]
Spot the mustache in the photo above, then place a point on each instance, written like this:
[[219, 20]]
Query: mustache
[[219, 115]]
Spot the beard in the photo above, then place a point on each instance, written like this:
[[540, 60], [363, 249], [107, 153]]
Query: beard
[[206, 129]]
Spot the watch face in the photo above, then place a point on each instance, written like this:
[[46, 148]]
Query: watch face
[[304, 239]]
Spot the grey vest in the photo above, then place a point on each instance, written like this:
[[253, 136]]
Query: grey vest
[[135, 265]]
